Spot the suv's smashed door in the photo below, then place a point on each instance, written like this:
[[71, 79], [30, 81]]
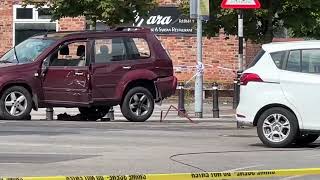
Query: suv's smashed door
[[116, 62], [66, 80]]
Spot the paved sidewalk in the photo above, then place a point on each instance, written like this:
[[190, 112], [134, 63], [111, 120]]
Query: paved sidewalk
[[226, 113]]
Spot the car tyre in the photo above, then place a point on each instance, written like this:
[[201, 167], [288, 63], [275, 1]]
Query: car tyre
[[306, 139], [93, 113], [137, 105], [15, 104], [277, 127]]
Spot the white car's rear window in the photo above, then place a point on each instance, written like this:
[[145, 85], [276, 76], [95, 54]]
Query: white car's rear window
[[279, 58], [256, 58]]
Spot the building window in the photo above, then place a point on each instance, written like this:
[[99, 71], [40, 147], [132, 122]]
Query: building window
[[24, 13], [29, 21], [44, 13]]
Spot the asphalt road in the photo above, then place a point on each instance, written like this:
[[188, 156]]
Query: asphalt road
[[48, 148]]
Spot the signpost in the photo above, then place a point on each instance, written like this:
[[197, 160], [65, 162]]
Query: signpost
[[199, 9], [239, 4]]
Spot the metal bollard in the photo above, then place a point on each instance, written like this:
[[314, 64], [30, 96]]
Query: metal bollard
[[111, 114], [215, 100], [235, 94], [49, 114], [236, 91], [239, 73], [181, 107]]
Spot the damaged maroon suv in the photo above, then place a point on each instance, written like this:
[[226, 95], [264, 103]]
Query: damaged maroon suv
[[90, 70]]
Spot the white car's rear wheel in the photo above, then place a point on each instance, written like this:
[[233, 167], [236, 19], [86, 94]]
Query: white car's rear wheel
[[277, 127]]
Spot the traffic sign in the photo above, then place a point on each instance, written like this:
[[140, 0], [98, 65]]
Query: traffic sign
[[240, 4]]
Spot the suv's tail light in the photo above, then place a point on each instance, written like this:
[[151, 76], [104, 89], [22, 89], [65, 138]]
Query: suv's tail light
[[249, 77]]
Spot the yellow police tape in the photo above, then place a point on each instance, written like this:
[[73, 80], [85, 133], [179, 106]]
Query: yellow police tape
[[187, 176]]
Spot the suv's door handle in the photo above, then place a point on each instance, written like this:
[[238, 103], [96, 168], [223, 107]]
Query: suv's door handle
[[126, 67], [79, 73]]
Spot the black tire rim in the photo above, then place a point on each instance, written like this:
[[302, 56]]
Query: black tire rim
[[139, 104]]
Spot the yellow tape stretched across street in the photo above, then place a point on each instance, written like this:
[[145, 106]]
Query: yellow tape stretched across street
[[187, 176]]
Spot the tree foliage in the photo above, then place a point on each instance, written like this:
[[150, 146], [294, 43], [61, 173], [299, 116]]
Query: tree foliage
[[111, 12], [300, 17]]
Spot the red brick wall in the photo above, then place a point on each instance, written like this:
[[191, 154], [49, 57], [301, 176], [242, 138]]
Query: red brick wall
[[5, 25], [168, 2], [218, 55], [72, 24], [251, 49]]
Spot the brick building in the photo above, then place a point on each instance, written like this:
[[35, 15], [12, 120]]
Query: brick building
[[219, 53]]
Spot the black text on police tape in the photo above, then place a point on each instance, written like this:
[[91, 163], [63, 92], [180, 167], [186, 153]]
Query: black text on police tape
[[208, 175], [85, 178], [130, 177]]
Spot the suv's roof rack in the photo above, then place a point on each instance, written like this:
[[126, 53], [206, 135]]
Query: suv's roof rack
[[132, 28], [120, 28]]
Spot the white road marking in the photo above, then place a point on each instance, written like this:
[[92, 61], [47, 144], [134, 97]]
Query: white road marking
[[55, 145], [291, 177], [315, 155]]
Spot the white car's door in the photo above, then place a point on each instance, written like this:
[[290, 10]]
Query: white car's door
[[300, 82]]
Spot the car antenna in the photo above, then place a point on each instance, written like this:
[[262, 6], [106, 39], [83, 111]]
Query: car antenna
[[46, 34]]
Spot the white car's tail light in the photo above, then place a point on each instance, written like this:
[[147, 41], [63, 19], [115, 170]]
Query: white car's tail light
[[249, 77]]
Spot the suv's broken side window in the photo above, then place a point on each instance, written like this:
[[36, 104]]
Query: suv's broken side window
[[71, 54]]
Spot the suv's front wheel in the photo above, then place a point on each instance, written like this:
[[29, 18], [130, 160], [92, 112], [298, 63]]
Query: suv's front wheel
[[277, 127], [138, 105], [15, 103]]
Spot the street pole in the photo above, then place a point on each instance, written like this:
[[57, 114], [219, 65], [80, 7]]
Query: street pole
[[198, 93], [240, 36], [236, 93]]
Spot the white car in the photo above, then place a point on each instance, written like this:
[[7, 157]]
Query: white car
[[280, 93]]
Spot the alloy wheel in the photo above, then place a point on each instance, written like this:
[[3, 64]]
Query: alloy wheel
[[276, 128], [15, 103]]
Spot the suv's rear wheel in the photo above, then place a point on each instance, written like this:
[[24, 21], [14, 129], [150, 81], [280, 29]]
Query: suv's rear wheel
[[15, 103], [277, 127], [93, 113], [138, 105]]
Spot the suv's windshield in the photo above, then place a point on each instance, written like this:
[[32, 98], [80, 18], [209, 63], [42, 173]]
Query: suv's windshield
[[27, 51]]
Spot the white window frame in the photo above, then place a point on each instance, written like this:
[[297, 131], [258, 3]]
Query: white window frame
[[35, 19], [15, 7]]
